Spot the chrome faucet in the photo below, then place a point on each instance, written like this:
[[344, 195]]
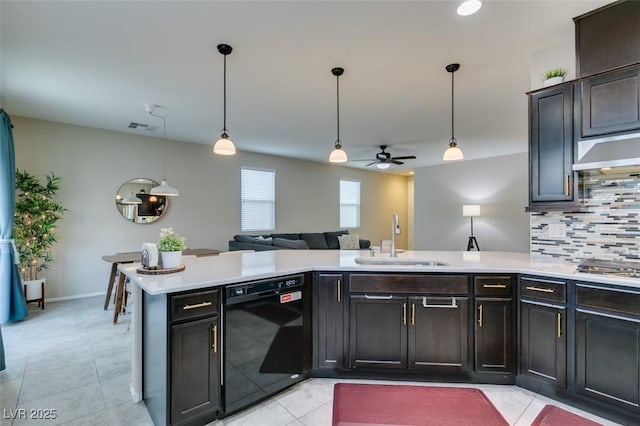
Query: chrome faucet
[[395, 230]]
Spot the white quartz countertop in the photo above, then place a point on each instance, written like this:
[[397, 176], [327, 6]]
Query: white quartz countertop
[[211, 271]]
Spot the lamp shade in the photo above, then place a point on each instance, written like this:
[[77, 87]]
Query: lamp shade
[[338, 156], [131, 199], [164, 189], [469, 7], [224, 146], [453, 153], [471, 210]]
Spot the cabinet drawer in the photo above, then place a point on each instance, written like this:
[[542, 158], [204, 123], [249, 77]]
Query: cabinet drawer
[[498, 285], [543, 289], [191, 305], [612, 300], [392, 283]]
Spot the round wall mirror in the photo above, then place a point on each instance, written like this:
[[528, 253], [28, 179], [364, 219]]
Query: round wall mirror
[[135, 203]]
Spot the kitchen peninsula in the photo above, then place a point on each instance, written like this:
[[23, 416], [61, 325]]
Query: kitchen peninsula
[[480, 317]]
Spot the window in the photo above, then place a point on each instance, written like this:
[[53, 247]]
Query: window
[[258, 199], [349, 204]]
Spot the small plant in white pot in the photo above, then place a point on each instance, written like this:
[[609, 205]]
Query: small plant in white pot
[[170, 246], [37, 211], [554, 76]]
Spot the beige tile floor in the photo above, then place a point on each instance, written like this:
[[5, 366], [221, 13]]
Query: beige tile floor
[[71, 358]]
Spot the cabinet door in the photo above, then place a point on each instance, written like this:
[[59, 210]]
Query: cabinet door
[[543, 343], [611, 103], [329, 322], [195, 370], [608, 359], [377, 331], [494, 350], [551, 145], [438, 334]]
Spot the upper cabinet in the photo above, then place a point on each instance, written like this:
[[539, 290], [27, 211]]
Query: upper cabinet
[[610, 102], [552, 180], [608, 38]]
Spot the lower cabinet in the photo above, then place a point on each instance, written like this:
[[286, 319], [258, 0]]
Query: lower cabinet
[[195, 372], [543, 347], [415, 333], [328, 321], [494, 351]]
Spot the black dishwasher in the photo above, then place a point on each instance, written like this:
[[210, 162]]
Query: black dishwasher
[[267, 339]]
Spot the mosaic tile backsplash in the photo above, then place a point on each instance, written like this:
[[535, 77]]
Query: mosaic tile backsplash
[[609, 229]]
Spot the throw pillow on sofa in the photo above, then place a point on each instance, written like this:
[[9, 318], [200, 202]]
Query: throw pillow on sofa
[[315, 240], [332, 238], [244, 238], [349, 242], [262, 240], [290, 244]]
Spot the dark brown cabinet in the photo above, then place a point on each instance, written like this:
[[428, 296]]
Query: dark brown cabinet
[[608, 38], [378, 331], [610, 103], [608, 345], [328, 320], [409, 322], [543, 325], [181, 357], [551, 155], [493, 324], [195, 373]]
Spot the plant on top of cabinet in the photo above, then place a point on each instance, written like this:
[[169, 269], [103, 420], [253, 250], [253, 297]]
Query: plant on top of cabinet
[[554, 76], [37, 211]]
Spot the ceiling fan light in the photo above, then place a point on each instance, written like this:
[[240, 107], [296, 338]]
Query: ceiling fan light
[[164, 189], [453, 152], [383, 166], [224, 146], [469, 7]]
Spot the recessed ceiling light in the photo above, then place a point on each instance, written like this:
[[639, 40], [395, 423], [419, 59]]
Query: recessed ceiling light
[[469, 7]]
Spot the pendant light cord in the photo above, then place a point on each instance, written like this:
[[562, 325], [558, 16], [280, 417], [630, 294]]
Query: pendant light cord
[[337, 109], [224, 96], [452, 115]]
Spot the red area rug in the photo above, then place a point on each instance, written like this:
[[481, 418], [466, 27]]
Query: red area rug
[[556, 416], [361, 404]]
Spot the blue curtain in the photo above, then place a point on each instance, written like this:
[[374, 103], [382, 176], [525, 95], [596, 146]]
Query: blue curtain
[[12, 304]]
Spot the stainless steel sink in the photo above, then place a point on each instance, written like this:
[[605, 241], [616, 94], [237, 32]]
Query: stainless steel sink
[[413, 261]]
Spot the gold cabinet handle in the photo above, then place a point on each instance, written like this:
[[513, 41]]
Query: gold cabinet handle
[[566, 186], [196, 306], [494, 286], [559, 324], [413, 314], [338, 290], [540, 289], [404, 314], [214, 335], [480, 316]]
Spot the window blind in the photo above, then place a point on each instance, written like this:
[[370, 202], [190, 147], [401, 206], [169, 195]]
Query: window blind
[[258, 199], [349, 204]]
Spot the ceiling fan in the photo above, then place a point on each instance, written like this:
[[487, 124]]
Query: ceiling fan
[[384, 160]]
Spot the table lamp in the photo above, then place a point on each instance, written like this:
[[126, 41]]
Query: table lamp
[[471, 210]]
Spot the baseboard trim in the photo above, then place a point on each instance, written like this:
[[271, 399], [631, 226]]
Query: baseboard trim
[[77, 296]]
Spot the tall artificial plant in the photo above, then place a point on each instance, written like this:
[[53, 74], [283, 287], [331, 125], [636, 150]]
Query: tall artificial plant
[[37, 211]]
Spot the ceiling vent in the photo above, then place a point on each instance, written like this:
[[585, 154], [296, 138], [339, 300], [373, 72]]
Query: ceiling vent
[[142, 126]]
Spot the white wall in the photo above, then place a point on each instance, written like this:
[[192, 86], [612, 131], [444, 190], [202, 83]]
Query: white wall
[[558, 55], [94, 163], [498, 184]]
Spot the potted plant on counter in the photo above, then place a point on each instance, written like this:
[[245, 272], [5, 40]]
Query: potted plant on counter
[[37, 210], [170, 247], [554, 76]]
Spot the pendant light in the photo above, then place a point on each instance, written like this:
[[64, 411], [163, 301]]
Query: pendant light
[[164, 188], [224, 145], [453, 152], [338, 155]]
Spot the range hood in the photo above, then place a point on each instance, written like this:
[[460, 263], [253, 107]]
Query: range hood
[[616, 152]]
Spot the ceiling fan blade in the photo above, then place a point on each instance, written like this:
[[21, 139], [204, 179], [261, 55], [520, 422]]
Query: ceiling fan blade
[[365, 159], [372, 163], [406, 157], [394, 161]]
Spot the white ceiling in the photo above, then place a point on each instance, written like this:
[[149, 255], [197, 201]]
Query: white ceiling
[[96, 64]]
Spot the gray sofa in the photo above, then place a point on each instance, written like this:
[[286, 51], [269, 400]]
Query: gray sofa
[[301, 241]]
